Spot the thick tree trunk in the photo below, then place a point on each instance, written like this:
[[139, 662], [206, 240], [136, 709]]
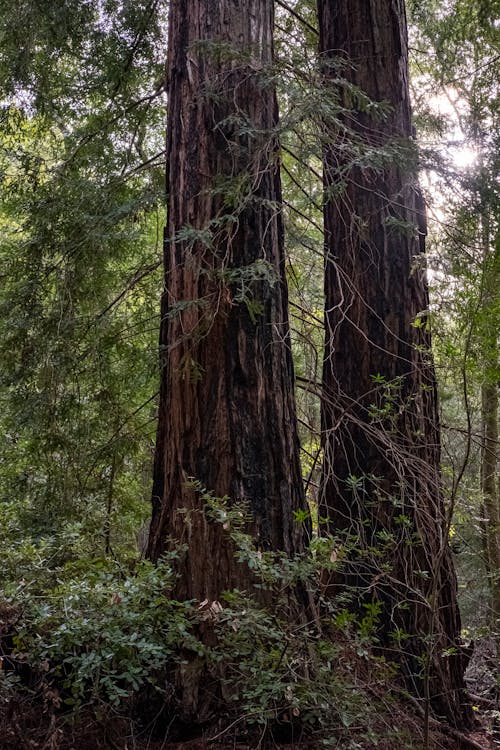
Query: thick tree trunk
[[381, 486], [226, 415]]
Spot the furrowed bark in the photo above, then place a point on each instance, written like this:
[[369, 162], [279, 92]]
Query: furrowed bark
[[381, 487], [226, 414]]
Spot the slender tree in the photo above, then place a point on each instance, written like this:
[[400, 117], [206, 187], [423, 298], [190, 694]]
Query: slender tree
[[489, 449], [462, 70], [226, 415], [381, 487]]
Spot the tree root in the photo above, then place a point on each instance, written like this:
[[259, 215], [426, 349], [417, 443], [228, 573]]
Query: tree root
[[466, 743]]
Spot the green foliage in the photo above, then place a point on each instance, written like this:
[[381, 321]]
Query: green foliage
[[275, 672], [456, 59], [81, 216], [104, 636], [250, 285]]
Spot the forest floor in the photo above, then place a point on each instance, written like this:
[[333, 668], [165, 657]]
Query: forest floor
[[27, 726]]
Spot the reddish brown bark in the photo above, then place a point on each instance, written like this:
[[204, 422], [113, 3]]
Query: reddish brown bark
[[381, 484], [226, 416]]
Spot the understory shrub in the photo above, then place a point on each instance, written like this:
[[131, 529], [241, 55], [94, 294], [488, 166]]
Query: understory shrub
[[105, 635]]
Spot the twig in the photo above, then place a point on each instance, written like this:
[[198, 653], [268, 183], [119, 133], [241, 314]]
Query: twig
[[296, 15], [131, 283]]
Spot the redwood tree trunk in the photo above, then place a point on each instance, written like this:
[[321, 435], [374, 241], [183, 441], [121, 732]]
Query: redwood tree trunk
[[226, 415], [381, 487]]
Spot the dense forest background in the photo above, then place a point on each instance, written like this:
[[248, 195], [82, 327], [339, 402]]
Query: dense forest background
[[106, 635]]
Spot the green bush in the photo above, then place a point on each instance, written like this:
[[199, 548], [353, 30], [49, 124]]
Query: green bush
[[106, 635]]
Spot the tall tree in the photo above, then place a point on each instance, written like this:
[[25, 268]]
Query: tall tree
[[226, 414], [381, 481], [81, 157], [489, 415], [457, 58]]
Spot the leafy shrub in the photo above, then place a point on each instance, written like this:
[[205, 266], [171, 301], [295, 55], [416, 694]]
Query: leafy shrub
[[105, 635]]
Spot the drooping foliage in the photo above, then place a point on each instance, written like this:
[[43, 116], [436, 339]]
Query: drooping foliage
[[82, 188]]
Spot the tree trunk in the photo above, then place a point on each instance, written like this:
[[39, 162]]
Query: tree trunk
[[226, 414], [489, 472], [381, 486], [490, 484]]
